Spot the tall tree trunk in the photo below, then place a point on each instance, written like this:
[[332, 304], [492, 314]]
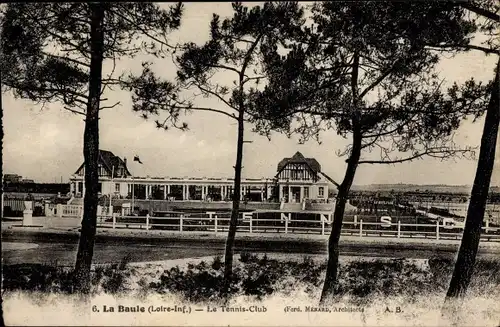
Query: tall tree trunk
[[1, 147], [233, 224], [344, 188], [338, 216], [91, 153], [475, 213]]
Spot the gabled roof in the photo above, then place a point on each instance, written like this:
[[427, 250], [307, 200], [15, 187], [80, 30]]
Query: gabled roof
[[299, 158], [109, 160]]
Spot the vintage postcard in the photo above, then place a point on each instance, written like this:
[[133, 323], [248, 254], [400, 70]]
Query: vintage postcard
[[250, 164]]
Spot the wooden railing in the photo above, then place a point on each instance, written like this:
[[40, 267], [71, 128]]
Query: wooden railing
[[211, 222]]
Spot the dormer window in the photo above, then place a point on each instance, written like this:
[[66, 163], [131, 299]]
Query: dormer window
[[102, 171]]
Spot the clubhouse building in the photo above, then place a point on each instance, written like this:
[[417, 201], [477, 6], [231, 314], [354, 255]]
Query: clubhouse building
[[297, 179]]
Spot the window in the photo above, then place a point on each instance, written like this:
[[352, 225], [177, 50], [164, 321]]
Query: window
[[102, 171], [117, 187], [321, 192]]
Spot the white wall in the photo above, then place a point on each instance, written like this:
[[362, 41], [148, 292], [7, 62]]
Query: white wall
[[108, 187]]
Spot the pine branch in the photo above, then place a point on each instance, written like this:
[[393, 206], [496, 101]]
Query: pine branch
[[446, 48], [480, 11], [203, 89]]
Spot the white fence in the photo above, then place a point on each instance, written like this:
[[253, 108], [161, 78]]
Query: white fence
[[72, 210], [216, 223]]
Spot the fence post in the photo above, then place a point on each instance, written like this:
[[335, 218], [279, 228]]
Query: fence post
[[215, 224], [114, 221], [399, 228], [147, 221], [322, 227], [251, 223], [361, 228], [180, 222], [437, 229]]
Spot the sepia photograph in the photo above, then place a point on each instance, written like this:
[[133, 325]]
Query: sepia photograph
[[316, 163]]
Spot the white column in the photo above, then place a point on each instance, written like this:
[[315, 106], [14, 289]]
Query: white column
[[262, 193], [301, 193], [289, 193], [164, 192], [203, 194], [280, 196]]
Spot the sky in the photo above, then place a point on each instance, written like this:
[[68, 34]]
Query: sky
[[46, 144]]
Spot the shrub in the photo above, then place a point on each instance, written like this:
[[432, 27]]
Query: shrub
[[246, 257], [199, 283], [217, 263], [37, 277], [53, 279]]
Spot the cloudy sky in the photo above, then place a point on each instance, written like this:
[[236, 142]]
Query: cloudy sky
[[45, 144]]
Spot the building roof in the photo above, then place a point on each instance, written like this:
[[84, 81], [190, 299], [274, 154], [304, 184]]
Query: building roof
[[109, 160], [299, 158]]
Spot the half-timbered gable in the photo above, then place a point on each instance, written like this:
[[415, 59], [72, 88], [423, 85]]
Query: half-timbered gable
[[109, 164], [298, 168]]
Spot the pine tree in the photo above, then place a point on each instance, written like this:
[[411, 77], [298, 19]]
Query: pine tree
[[54, 52], [365, 70], [489, 24], [235, 47]]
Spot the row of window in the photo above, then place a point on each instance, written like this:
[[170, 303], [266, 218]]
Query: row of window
[[321, 189], [103, 172], [297, 172]]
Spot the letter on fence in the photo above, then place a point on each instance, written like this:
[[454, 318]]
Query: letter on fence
[[386, 221], [248, 216], [437, 229]]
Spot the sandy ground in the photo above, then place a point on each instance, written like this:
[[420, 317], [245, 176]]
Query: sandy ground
[[9, 246], [274, 310]]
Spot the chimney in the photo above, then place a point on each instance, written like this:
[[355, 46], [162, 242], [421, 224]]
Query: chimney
[[125, 161]]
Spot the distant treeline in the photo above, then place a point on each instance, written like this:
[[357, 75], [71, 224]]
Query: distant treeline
[[52, 188], [402, 197]]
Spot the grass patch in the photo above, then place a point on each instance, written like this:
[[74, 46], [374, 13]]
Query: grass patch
[[50, 278], [257, 277]]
